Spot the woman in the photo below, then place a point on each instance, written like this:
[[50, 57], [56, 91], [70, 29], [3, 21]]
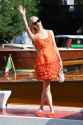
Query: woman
[[48, 62]]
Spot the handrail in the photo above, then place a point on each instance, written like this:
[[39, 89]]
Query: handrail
[[69, 36]]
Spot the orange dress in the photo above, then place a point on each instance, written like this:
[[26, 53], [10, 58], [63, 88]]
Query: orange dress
[[47, 63]]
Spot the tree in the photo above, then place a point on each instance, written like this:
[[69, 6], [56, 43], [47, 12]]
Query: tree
[[11, 23]]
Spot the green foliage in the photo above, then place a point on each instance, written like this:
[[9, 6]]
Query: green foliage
[[11, 23]]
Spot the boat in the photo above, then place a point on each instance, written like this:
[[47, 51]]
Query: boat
[[27, 89]]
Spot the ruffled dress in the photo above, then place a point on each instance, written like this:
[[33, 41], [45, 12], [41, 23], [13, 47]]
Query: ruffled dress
[[47, 63]]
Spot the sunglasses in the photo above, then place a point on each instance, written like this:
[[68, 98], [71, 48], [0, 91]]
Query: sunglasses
[[35, 23]]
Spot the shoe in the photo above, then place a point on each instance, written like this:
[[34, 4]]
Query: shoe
[[40, 113], [51, 115]]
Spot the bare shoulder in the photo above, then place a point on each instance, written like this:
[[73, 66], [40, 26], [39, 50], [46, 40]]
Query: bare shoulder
[[51, 31]]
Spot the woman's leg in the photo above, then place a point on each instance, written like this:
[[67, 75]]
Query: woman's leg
[[43, 97], [46, 96]]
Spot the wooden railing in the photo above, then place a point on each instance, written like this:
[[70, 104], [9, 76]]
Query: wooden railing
[[25, 58]]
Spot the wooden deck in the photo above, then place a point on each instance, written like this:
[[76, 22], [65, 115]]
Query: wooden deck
[[26, 114], [61, 112]]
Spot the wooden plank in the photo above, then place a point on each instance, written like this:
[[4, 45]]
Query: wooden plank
[[26, 58], [69, 93], [73, 62]]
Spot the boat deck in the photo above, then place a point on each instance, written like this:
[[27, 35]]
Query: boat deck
[[25, 115], [74, 113]]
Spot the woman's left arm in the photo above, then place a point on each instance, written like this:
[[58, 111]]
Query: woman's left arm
[[56, 48]]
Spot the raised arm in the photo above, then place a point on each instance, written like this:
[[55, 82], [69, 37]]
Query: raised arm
[[22, 11]]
